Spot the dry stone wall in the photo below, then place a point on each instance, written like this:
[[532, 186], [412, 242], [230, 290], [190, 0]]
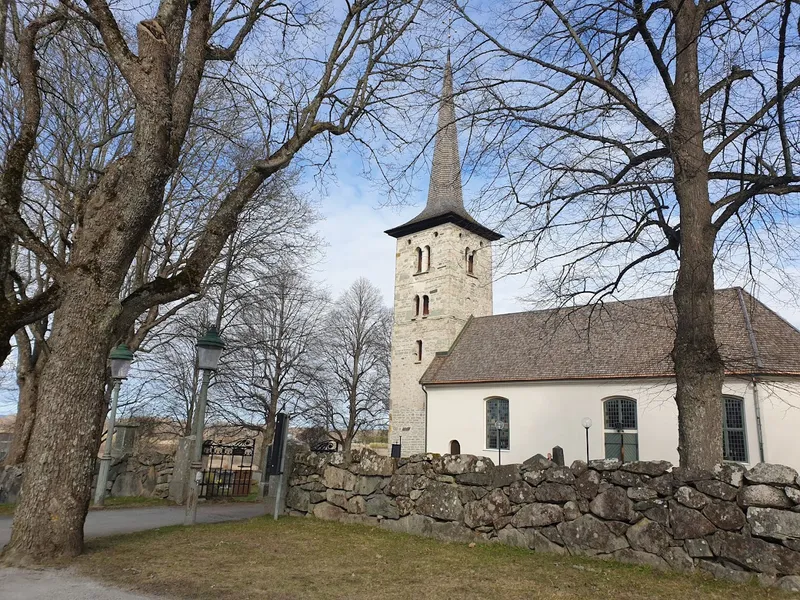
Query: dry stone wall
[[733, 523], [140, 474]]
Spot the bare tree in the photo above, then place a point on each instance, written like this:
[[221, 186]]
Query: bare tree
[[351, 393], [274, 346], [635, 137], [274, 230], [185, 47]]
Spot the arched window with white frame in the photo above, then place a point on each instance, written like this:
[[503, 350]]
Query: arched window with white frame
[[621, 428], [497, 411]]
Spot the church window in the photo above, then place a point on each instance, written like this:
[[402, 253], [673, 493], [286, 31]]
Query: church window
[[471, 263], [621, 429], [455, 447], [734, 441], [497, 411], [419, 260], [425, 306], [427, 258], [416, 306], [419, 350]]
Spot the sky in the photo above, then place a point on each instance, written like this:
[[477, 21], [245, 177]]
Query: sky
[[354, 219]]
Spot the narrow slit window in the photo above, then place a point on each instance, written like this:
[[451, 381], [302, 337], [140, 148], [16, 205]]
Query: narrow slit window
[[419, 260], [426, 305], [419, 350], [471, 263], [416, 306], [427, 258]]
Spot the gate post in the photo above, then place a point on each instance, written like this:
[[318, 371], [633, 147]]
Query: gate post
[[279, 467]]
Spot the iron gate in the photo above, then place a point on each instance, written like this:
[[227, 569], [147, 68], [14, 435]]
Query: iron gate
[[229, 467]]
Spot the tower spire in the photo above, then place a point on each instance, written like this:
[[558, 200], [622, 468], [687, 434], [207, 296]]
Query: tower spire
[[445, 193], [445, 196]]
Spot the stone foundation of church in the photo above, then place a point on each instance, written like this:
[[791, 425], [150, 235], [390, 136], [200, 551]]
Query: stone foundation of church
[[733, 523]]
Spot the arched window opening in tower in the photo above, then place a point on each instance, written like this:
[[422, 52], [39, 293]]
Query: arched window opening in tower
[[419, 260], [471, 263], [419, 350], [416, 306], [427, 258], [425, 306]]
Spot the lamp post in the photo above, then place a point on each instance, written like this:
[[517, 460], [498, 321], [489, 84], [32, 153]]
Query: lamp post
[[499, 425], [120, 359], [587, 423], [209, 349]]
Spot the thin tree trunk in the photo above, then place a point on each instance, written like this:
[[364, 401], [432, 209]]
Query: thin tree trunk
[[699, 370], [347, 449], [26, 414], [31, 357]]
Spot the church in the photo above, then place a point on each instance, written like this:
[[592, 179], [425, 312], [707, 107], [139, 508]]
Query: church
[[596, 381]]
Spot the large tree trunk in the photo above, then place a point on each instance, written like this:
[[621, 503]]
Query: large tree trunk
[[699, 370], [56, 486]]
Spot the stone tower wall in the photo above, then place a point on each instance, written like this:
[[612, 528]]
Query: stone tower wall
[[454, 296]]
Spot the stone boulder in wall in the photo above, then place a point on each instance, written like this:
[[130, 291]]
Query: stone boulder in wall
[[771, 474], [613, 504], [372, 464], [589, 535], [459, 464], [774, 524], [127, 484], [538, 515], [10, 484], [755, 554], [488, 510], [441, 501]]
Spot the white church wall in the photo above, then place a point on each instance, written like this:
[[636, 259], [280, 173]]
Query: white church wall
[[780, 417], [545, 414]]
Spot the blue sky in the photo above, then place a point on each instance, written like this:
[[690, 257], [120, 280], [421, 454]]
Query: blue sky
[[355, 216]]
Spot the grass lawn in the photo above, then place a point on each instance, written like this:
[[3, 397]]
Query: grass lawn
[[307, 558]]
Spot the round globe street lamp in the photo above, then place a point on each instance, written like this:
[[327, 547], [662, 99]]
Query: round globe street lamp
[[587, 423], [209, 349], [499, 425], [120, 361]]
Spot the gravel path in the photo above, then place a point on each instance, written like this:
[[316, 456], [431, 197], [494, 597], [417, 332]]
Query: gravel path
[[64, 584], [51, 584], [127, 520]]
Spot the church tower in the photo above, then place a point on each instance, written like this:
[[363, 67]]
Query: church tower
[[443, 275]]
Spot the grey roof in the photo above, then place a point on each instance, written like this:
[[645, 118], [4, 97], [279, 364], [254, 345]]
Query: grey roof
[[613, 340], [445, 195]]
